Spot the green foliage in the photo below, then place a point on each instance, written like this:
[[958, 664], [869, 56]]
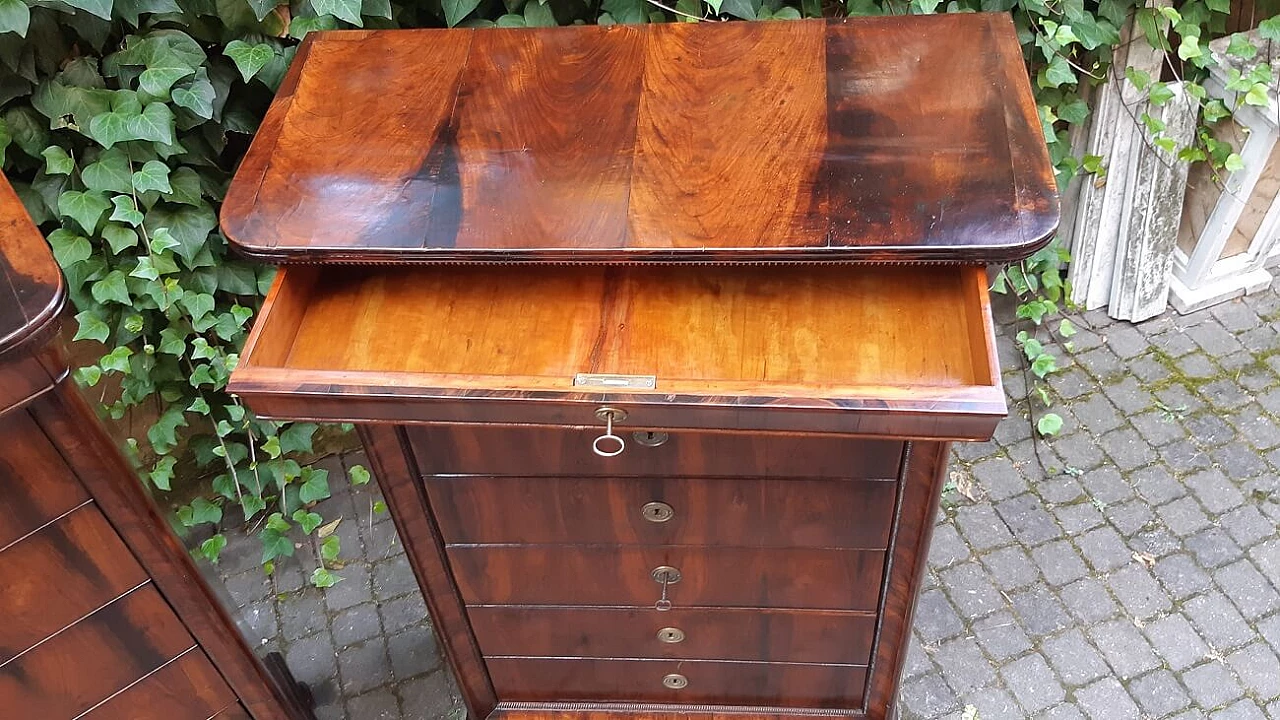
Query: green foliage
[[122, 120]]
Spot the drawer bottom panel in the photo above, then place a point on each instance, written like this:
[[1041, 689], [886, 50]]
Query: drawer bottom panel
[[705, 682], [807, 636]]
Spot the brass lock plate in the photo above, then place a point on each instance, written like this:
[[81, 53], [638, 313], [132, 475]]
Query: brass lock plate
[[670, 635], [666, 575], [675, 681], [657, 512]]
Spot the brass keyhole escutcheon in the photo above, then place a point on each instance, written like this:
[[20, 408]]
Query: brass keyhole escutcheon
[[676, 681], [657, 512], [650, 438], [671, 636], [666, 575]]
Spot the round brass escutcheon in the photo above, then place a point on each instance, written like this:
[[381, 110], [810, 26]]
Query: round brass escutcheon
[[650, 438], [657, 512], [666, 575], [671, 636], [675, 681]]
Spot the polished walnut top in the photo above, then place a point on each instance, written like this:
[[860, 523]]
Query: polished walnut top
[[31, 289], [869, 139]]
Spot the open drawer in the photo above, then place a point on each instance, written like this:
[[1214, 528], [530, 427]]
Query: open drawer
[[882, 350]]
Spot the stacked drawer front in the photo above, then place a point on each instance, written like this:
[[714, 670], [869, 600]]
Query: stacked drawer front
[[85, 634], [779, 542]]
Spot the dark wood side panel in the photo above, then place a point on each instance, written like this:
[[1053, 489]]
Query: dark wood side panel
[[36, 486], [923, 474], [235, 712], [535, 451], [602, 711], [707, 511], [722, 683], [95, 658], [72, 427], [188, 688], [712, 576], [393, 465], [720, 634], [60, 574]]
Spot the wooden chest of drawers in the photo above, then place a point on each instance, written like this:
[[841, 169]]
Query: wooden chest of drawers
[[104, 615], [659, 441]]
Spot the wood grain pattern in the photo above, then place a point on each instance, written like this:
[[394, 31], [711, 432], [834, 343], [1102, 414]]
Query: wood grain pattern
[[812, 349], [393, 464], [653, 711], [707, 511], [95, 658], [808, 636], [813, 686], [593, 575], [188, 688], [564, 452], [36, 486], [31, 287], [60, 574], [861, 139]]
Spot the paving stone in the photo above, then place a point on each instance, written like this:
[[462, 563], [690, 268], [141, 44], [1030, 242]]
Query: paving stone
[[1185, 455], [259, 622], [935, 618], [1001, 636], [1159, 693], [1243, 710], [1255, 428], [413, 652], [1248, 589], [1246, 525], [1059, 562], [355, 624], [1211, 685], [1125, 341], [431, 697], [1061, 490], [1089, 601], [393, 578], [1041, 613], [1079, 451], [248, 587], [1214, 548], [1157, 428], [1033, 683], [1096, 413], [1177, 641], [1104, 549], [1267, 557], [1128, 653], [1214, 490], [364, 666], [1138, 591], [963, 664], [1127, 449], [288, 576], [992, 703], [971, 591], [1155, 541], [999, 478], [1218, 621], [1065, 711], [1183, 516], [1106, 485], [302, 613], [1209, 429], [1106, 699], [1071, 384], [380, 704], [1156, 484], [1258, 669], [1181, 576], [1131, 517], [918, 662], [401, 612], [929, 696], [948, 547], [1236, 316], [1011, 568], [1178, 400], [353, 590], [1077, 518], [1226, 395], [312, 659], [1075, 659], [1128, 395]]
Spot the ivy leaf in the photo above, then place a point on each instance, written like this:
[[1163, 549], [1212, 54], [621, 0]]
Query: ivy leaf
[[1269, 29], [1241, 47], [91, 327], [538, 15], [261, 8], [315, 485], [119, 238], [190, 226], [308, 521], [323, 578], [1257, 96], [746, 10], [376, 8], [111, 289], [276, 521], [347, 10], [1074, 111], [172, 342], [456, 10], [125, 211], [86, 208], [155, 123], [186, 187], [1043, 365], [1190, 47], [212, 547], [1049, 424], [1234, 162], [274, 545], [130, 10], [154, 175], [359, 475], [1160, 94], [163, 433], [109, 173], [1057, 73], [56, 160], [15, 17], [249, 59], [297, 437], [272, 447], [156, 81], [110, 128], [101, 8], [69, 248], [198, 98], [162, 472], [330, 548], [251, 505]]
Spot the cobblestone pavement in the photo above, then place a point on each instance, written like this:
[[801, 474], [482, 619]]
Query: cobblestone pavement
[[1130, 570]]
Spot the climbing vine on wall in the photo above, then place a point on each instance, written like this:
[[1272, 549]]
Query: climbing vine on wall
[[122, 120]]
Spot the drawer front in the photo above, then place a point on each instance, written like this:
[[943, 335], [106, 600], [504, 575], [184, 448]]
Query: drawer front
[[559, 452], [687, 634], [36, 485], [820, 579], [664, 511], [721, 683]]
